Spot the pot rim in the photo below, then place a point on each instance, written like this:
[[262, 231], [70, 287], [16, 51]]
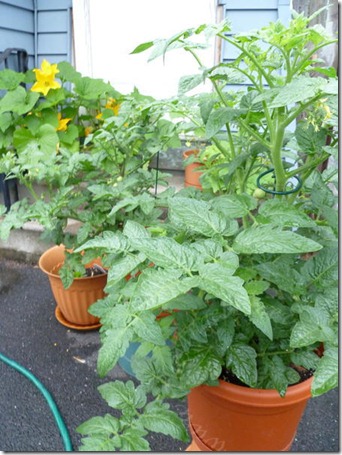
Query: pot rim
[[56, 275], [259, 397]]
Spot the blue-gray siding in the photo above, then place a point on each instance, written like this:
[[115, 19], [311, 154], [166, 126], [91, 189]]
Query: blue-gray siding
[[42, 27]]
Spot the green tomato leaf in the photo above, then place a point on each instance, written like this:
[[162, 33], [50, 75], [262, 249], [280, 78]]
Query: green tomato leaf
[[156, 287], [123, 267], [100, 426], [133, 230], [310, 140], [114, 345], [270, 239], [283, 274], [132, 440], [256, 287], [160, 420], [187, 83], [241, 360], [300, 89], [321, 271], [260, 317], [147, 328], [326, 374], [281, 213], [112, 242], [312, 327], [234, 205], [217, 280], [200, 365], [219, 117], [196, 216], [166, 252], [123, 396]]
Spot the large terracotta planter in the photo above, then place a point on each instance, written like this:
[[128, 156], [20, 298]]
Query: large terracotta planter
[[191, 173], [235, 418], [73, 303]]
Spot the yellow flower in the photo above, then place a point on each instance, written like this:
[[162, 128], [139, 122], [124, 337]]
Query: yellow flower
[[45, 77], [99, 116], [62, 122], [113, 105], [87, 130], [328, 112]]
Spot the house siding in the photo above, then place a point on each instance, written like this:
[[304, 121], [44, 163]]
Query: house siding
[[42, 27]]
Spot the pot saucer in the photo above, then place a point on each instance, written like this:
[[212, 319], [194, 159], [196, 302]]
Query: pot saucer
[[71, 325]]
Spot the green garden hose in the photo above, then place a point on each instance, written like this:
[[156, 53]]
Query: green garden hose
[[58, 418]]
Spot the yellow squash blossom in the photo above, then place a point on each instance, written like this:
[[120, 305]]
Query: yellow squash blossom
[[87, 130], [62, 122], [45, 77], [111, 104]]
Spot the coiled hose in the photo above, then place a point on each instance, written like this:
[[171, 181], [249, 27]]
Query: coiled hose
[[58, 418]]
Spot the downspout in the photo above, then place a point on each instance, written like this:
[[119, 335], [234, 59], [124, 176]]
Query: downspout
[[35, 25]]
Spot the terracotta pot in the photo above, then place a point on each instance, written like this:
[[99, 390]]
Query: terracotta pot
[[191, 173], [73, 302], [235, 418]]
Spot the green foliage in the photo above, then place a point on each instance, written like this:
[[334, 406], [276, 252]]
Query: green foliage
[[109, 433], [229, 280], [94, 169]]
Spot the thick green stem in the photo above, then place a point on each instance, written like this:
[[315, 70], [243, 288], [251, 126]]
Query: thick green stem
[[279, 171]]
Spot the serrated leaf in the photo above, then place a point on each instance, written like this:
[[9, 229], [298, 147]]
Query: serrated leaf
[[225, 335], [99, 443], [256, 287], [270, 239], [282, 272], [308, 139], [281, 213], [312, 327], [101, 426], [208, 249], [185, 302], [147, 328], [260, 317], [234, 205], [132, 229], [166, 252], [161, 420], [123, 267], [132, 440], [219, 117], [187, 83], [123, 395], [200, 365], [112, 242], [196, 216], [217, 280], [298, 90], [113, 348], [241, 360], [326, 374], [156, 287], [321, 271]]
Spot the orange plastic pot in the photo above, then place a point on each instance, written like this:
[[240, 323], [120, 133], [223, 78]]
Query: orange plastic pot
[[72, 303], [191, 173], [235, 418]]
